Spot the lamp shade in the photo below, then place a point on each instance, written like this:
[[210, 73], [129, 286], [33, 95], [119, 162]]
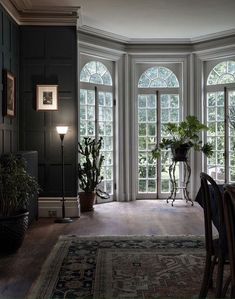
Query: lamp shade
[[62, 129]]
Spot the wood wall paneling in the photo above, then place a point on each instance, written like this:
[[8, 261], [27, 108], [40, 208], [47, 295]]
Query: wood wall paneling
[[35, 140], [65, 114], [9, 59], [32, 42], [50, 58], [55, 175], [60, 42]]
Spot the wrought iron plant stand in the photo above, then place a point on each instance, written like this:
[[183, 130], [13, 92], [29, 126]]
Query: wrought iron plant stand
[[186, 179]]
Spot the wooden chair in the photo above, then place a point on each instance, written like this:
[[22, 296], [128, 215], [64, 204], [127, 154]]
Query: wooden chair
[[216, 248], [229, 214]]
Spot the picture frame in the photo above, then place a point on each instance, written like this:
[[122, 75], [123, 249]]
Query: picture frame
[[9, 94], [46, 97]]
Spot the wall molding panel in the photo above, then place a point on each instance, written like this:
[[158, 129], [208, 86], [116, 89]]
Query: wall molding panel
[[49, 56], [51, 207], [9, 59]]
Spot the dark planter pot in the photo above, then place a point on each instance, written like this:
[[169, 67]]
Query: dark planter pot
[[12, 231], [180, 153], [86, 200]]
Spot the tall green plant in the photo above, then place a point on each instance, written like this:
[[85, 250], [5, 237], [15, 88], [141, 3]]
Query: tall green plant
[[186, 133], [89, 169], [16, 186]]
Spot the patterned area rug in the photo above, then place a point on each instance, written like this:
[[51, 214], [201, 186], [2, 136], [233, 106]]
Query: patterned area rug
[[122, 267]]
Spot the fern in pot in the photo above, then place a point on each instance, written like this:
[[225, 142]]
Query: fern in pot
[[16, 189], [182, 137], [89, 172]]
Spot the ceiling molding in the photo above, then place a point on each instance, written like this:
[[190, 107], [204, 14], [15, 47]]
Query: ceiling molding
[[126, 40], [19, 4], [11, 9], [24, 14], [50, 16], [212, 36], [102, 33], [156, 41]]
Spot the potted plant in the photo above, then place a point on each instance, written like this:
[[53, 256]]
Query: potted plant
[[16, 189], [89, 172], [182, 137]]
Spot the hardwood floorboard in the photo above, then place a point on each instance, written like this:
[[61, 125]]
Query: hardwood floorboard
[[142, 217]]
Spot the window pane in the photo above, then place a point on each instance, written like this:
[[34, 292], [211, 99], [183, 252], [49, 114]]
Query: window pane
[[91, 112], [90, 97], [170, 113], [107, 80], [96, 79], [222, 73], [96, 72], [142, 101], [85, 75], [146, 141], [142, 115], [215, 135], [158, 77], [231, 103]]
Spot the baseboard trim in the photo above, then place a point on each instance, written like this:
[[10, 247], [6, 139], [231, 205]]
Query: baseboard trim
[[50, 207]]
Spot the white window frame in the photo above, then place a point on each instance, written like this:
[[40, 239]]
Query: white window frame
[[208, 67], [136, 71], [88, 53], [198, 60]]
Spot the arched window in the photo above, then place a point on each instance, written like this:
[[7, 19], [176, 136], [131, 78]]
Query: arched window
[[158, 103], [96, 72], [222, 73], [220, 100], [158, 77], [97, 114]]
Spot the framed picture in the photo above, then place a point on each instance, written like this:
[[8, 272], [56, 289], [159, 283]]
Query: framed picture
[[46, 97], [9, 94]]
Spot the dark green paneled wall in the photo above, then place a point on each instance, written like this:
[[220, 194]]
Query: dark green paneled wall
[[48, 55], [9, 59]]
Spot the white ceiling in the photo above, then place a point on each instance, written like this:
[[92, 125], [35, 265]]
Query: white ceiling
[[151, 19]]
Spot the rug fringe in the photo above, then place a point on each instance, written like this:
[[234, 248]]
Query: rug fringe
[[134, 237]]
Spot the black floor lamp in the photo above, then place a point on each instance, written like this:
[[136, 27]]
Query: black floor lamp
[[62, 131]]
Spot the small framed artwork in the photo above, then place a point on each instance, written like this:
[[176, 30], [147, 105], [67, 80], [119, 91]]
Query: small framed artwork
[[9, 94], [46, 97]]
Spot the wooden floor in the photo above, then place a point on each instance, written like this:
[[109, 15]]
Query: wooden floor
[[142, 217]]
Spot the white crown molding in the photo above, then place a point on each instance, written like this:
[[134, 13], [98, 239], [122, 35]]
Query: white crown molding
[[101, 52], [216, 53], [213, 36], [156, 41], [124, 39], [24, 14], [102, 33], [149, 41]]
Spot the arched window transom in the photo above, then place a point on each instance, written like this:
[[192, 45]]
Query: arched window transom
[[97, 73], [222, 73], [158, 77]]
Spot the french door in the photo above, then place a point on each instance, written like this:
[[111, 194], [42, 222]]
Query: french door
[[220, 107], [155, 109], [96, 109]]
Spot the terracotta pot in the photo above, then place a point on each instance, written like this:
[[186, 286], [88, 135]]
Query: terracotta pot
[[86, 200]]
